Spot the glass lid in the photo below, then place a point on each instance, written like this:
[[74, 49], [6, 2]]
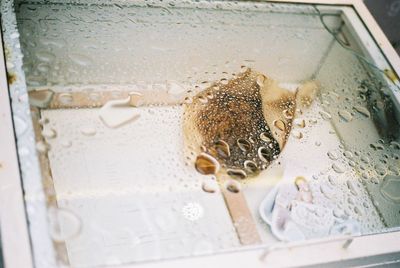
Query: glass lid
[[180, 128]]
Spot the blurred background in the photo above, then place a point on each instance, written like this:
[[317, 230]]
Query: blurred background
[[387, 14]]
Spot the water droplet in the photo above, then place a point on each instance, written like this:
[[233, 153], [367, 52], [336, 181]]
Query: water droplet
[[390, 188], [264, 137], [317, 143], [348, 154], [250, 167], [135, 99], [49, 133], [313, 121], [80, 59], [42, 147], [224, 81], [243, 68], [358, 210], [325, 115], [232, 186], [210, 186], [203, 99], [365, 159], [188, 100], [45, 56], [297, 134], [206, 164], [244, 145], [380, 169], [362, 110], [375, 180], [379, 147], [64, 224], [332, 180], [264, 154], [66, 143], [236, 174], [395, 145], [351, 184], [260, 80], [333, 155], [338, 213], [88, 130], [41, 98], [116, 113], [222, 149], [215, 87], [288, 113], [327, 191], [352, 163], [395, 170], [345, 115], [338, 168], [365, 176], [43, 68], [43, 121], [300, 122], [280, 125], [65, 98]]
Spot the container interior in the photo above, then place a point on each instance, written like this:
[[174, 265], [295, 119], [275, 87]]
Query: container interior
[[119, 186]]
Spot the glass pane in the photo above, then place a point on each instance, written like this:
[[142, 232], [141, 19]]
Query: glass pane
[[175, 129]]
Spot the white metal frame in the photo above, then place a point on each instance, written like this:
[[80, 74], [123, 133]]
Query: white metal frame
[[13, 227], [17, 251]]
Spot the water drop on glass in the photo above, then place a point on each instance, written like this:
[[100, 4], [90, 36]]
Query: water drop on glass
[[237, 174], [244, 145], [362, 110], [49, 133], [88, 130], [206, 164], [63, 223], [345, 115], [333, 155], [325, 115], [338, 168], [280, 125]]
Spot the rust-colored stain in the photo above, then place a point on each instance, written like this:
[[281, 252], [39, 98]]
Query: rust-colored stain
[[11, 78], [391, 75]]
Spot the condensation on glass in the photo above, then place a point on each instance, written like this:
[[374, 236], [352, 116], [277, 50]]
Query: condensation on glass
[[173, 129]]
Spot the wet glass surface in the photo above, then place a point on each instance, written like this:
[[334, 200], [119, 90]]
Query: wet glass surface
[[176, 129]]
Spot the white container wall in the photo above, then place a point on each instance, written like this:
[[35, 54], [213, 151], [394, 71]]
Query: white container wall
[[101, 94]]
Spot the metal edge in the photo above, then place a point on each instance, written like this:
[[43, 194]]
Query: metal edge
[[378, 35], [14, 227], [41, 252]]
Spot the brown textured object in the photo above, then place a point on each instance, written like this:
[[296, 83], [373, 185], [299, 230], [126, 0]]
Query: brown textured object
[[244, 124], [247, 119]]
